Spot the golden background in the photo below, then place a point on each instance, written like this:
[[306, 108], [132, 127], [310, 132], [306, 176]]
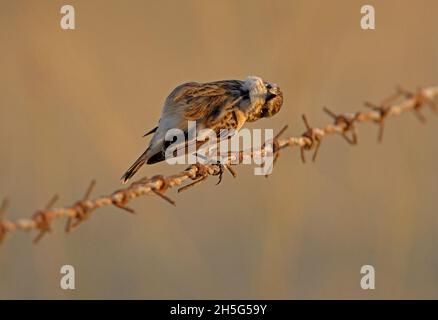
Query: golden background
[[74, 104]]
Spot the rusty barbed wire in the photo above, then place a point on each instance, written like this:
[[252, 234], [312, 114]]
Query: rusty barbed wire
[[311, 140]]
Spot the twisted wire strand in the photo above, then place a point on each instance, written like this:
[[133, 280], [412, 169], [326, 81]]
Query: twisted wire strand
[[345, 124]]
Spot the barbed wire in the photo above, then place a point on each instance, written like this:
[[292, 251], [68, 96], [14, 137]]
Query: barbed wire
[[402, 101]]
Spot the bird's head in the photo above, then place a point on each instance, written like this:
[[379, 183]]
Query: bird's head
[[273, 101], [266, 99]]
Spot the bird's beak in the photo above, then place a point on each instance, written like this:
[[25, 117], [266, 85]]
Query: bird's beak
[[270, 96]]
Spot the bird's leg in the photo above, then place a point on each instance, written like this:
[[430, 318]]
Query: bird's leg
[[220, 172], [223, 164], [213, 161]]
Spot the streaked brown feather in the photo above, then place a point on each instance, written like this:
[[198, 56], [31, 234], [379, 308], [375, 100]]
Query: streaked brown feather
[[207, 104]]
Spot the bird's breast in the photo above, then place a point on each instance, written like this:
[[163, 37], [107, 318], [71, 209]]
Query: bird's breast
[[232, 120]]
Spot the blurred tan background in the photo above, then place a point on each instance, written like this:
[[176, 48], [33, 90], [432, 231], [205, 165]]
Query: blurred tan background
[[74, 104]]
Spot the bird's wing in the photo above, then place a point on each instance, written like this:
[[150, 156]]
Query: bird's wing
[[214, 105], [207, 104]]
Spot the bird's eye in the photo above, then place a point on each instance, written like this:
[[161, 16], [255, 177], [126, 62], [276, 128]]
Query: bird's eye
[[268, 86]]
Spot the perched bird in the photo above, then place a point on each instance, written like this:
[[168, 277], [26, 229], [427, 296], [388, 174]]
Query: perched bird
[[225, 104]]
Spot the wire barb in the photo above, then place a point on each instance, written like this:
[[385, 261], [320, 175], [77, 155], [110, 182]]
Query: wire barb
[[4, 206], [314, 139], [83, 212], [418, 102], [346, 124], [194, 183], [44, 219], [383, 111]]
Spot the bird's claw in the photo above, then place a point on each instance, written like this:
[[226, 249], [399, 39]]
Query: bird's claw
[[221, 172]]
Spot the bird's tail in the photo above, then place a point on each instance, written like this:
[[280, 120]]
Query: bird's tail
[[134, 168]]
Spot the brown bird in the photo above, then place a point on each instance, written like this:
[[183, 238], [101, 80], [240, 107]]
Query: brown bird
[[225, 104]]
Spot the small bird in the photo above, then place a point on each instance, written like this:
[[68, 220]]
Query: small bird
[[225, 104]]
